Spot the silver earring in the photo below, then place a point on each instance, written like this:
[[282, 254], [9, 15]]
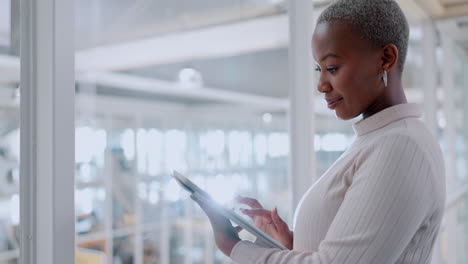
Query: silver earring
[[385, 78]]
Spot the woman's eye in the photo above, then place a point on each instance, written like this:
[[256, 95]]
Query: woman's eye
[[332, 69], [317, 69]]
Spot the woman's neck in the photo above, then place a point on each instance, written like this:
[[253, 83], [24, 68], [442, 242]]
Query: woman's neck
[[392, 95]]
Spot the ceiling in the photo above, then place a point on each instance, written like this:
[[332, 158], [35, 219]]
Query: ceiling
[[453, 2], [263, 72], [239, 46], [441, 9], [96, 23]]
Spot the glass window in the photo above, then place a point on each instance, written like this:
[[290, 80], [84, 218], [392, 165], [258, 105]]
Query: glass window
[[9, 131], [212, 111], [454, 234]]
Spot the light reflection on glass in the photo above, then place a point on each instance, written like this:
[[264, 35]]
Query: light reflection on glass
[[90, 145], [261, 148], [240, 148], [154, 158], [212, 145], [127, 141], [278, 144], [149, 147], [87, 198], [221, 188], [334, 142], [12, 142], [172, 191], [175, 146], [153, 193], [14, 209]]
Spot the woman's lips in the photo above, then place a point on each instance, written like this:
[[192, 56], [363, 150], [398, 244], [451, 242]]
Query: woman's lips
[[333, 103]]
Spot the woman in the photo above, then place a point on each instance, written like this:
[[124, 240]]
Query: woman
[[382, 201]]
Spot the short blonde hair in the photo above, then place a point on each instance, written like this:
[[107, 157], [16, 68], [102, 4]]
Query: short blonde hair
[[382, 22]]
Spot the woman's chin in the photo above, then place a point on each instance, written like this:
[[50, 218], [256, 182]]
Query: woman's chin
[[344, 115], [344, 118]]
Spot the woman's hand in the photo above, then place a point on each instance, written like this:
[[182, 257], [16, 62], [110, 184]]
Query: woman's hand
[[226, 236], [268, 221]]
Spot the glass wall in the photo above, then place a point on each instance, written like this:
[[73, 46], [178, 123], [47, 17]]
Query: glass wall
[[175, 95], [454, 233], [461, 136], [9, 132]]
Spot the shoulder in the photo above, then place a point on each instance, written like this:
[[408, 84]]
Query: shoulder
[[391, 142], [413, 138], [403, 141], [407, 136], [408, 150]]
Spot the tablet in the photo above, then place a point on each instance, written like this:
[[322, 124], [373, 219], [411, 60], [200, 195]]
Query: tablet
[[191, 187]]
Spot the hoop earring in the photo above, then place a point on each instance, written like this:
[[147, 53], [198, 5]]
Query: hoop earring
[[385, 78]]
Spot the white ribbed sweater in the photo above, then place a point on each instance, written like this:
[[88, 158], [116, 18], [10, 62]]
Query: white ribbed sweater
[[381, 202]]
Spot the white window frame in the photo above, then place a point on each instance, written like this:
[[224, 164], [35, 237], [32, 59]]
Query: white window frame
[[448, 86], [47, 142], [301, 103]]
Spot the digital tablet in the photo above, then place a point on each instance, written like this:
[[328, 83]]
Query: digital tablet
[[191, 187]]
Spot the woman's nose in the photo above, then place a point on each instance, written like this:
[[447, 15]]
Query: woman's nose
[[323, 86]]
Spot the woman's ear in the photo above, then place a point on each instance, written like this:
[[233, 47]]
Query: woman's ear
[[389, 57]]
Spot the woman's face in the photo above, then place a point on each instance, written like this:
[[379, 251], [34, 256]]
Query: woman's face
[[350, 69]]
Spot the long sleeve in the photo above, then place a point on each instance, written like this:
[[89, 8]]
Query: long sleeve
[[388, 200]]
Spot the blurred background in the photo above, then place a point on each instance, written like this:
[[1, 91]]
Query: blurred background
[[203, 87]]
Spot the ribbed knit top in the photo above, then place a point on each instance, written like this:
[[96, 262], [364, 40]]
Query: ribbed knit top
[[381, 202]]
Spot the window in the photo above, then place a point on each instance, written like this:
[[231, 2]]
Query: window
[[175, 94]]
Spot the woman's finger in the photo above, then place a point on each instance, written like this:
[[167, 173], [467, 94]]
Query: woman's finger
[[253, 203], [279, 223], [257, 212]]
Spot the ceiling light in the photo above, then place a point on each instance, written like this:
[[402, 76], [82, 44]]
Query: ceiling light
[[267, 118], [190, 78]]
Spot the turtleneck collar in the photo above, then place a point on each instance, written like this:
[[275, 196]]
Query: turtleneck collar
[[385, 117]]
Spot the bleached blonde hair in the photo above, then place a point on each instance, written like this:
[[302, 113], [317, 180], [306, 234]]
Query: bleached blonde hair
[[382, 22]]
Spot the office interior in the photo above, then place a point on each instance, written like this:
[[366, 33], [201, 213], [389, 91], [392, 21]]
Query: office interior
[[206, 87]]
